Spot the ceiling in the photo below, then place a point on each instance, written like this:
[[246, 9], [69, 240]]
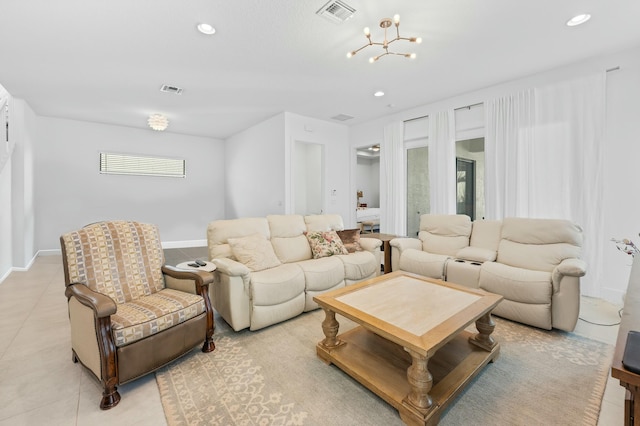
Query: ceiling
[[105, 61]]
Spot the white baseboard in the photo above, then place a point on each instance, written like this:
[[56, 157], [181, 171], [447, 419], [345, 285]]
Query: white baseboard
[[184, 244]]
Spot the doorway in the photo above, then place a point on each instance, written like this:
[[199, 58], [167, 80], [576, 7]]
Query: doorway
[[308, 178]]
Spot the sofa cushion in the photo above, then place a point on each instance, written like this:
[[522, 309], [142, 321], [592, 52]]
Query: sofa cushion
[[516, 284], [351, 239], [423, 263], [151, 314], [276, 285], [325, 243], [444, 234], [255, 251], [539, 244], [486, 234], [324, 222], [477, 254], [293, 249], [287, 237], [359, 265], [219, 231], [322, 274]]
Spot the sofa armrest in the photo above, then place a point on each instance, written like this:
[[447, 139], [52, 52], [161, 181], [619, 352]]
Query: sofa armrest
[[103, 306], [571, 267], [195, 282], [370, 244], [402, 244], [231, 267]]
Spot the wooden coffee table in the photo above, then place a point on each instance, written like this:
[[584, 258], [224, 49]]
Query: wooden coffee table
[[411, 347]]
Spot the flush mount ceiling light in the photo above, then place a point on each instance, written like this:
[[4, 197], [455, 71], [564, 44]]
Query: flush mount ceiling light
[[206, 29], [158, 122], [578, 19], [378, 93], [384, 24]]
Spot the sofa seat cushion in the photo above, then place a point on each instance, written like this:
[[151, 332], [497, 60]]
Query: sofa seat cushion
[[276, 285], [359, 265], [423, 263], [322, 274], [516, 284], [151, 314]]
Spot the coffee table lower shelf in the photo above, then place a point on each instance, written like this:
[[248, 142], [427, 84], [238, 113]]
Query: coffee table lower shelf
[[381, 366]]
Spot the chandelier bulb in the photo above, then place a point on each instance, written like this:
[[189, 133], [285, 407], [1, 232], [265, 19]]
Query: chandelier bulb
[[412, 56], [419, 40], [396, 19], [366, 31], [372, 60], [350, 54]]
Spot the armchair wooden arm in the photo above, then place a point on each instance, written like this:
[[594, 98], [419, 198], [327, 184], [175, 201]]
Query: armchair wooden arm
[[102, 305]]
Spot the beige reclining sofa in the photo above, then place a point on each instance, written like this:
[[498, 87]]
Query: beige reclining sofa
[[533, 263], [267, 272]]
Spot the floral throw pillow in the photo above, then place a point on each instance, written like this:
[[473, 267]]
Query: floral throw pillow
[[325, 243], [351, 239]]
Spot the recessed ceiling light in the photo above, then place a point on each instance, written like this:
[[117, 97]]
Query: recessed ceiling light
[[578, 19], [378, 93], [206, 29]]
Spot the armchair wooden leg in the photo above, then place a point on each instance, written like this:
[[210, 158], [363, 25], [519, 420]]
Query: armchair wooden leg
[[110, 397], [209, 345]]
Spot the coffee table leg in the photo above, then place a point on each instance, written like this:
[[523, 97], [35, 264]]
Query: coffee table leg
[[485, 327], [330, 328], [421, 381]]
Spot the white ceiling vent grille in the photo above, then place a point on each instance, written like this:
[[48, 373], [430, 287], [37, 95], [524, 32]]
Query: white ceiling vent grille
[[342, 117], [171, 89], [336, 11]]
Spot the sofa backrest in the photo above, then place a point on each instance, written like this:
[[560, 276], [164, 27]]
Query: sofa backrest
[[288, 239], [118, 258], [219, 232], [444, 234], [486, 234], [324, 222], [538, 244]]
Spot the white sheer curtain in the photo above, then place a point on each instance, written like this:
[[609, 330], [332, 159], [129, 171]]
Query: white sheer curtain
[[510, 123], [393, 202], [543, 152], [442, 162]]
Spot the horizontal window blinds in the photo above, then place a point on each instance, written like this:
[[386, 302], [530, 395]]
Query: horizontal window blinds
[[124, 164]]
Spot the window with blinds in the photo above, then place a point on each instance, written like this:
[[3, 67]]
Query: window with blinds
[[124, 164]]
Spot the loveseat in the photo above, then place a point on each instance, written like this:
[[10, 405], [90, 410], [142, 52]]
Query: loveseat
[[268, 269], [533, 263]]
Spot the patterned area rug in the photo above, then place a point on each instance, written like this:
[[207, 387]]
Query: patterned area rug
[[273, 377]]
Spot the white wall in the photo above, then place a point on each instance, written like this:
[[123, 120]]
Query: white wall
[[334, 137], [23, 129], [6, 250], [622, 152], [70, 192], [255, 170]]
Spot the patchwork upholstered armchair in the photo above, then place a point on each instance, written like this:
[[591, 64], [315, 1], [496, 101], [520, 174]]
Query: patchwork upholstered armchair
[[130, 314]]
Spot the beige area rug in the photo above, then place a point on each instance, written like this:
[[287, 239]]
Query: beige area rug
[[273, 377]]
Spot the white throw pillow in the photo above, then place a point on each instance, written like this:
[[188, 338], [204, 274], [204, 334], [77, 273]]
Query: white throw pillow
[[254, 251]]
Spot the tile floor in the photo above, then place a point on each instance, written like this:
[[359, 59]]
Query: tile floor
[[40, 385]]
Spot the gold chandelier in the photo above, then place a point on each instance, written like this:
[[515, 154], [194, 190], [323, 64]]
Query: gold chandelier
[[384, 24]]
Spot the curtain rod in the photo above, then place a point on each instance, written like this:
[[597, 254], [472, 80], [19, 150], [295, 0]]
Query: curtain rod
[[613, 69]]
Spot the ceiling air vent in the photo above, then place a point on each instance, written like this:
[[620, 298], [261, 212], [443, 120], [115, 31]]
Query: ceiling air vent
[[336, 11], [171, 89], [342, 117]]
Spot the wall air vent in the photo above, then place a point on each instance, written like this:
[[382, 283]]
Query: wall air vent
[[342, 117], [171, 89], [336, 11]]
